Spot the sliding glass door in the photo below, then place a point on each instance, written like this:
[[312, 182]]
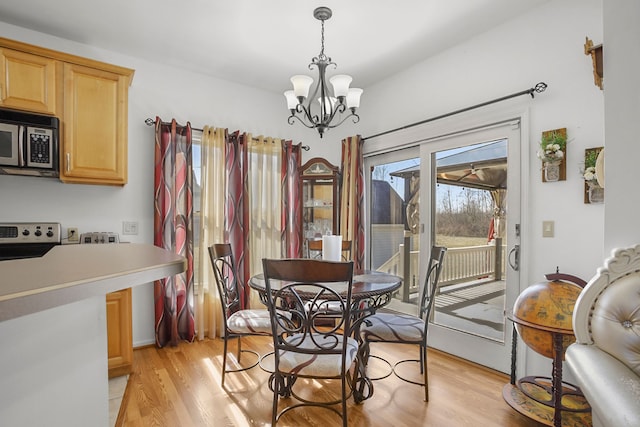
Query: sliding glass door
[[461, 192], [394, 219], [474, 193]]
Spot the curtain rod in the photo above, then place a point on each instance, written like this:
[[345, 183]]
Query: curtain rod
[[151, 122], [538, 88]]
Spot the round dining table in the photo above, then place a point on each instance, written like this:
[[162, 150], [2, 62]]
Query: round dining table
[[370, 291]]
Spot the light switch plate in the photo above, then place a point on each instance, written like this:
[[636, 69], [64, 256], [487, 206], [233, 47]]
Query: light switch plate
[[130, 227], [548, 228]]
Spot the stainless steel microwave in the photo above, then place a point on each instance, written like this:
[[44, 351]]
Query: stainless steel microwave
[[29, 144]]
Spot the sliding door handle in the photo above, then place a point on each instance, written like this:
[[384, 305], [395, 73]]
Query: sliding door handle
[[515, 251]]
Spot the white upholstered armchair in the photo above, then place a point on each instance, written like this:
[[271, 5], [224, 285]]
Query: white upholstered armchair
[[605, 358]]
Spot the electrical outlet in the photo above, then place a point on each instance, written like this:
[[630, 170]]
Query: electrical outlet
[[130, 227], [72, 235]]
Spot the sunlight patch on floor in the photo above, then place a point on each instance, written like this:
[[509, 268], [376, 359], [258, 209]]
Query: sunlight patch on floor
[[117, 387]]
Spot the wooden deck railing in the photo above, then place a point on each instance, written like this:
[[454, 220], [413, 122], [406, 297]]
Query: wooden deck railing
[[459, 265]]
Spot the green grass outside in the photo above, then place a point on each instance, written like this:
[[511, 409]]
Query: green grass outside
[[459, 241]]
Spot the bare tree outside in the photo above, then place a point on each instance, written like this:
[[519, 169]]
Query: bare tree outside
[[464, 214]]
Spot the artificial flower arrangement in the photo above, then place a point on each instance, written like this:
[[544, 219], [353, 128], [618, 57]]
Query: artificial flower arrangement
[[594, 191], [589, 173], [552, 147]]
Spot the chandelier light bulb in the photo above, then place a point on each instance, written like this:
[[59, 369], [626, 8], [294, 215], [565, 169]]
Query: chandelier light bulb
[[301, 85], [329, 104], [340, 84], [292, 101], [353, 97]]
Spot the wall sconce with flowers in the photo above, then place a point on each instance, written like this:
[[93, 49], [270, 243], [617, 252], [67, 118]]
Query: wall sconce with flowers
[[593, 189], [552, 152]]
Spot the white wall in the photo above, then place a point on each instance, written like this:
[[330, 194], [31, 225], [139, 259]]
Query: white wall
[[622, 113], [543, 45]]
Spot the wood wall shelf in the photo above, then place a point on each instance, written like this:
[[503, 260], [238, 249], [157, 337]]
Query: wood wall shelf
[[596, 58]]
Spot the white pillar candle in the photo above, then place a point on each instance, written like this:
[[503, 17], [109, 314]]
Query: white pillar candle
[[331, 248]]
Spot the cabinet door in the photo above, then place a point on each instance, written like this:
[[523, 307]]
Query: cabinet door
[[119, 333], [28, 82], [95, 126], [320, 181]]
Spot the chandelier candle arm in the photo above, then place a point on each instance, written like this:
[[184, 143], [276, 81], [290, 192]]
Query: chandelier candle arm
[[330, 106]]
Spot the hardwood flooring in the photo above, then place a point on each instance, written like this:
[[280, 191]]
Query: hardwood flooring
[[180, 387]]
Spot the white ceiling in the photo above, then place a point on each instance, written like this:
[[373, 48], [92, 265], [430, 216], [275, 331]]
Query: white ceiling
[[262, 43]]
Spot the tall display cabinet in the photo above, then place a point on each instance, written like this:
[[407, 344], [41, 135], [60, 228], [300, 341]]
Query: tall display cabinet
[[320, 181]]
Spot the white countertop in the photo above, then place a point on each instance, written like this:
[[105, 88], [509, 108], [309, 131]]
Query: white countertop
[[69, 273]]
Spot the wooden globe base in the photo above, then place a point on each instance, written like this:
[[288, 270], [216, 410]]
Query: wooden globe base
[[579, 416], [540, 389]]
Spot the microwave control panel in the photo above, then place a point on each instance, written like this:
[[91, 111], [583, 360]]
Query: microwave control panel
[[39, 147]]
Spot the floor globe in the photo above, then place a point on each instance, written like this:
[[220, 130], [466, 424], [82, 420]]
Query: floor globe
[[545, 310]]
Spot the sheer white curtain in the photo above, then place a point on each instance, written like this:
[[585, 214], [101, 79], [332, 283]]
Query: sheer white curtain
[[213, 189], [265, 206]]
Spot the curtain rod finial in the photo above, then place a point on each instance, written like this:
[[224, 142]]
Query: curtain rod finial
[[539, 88]]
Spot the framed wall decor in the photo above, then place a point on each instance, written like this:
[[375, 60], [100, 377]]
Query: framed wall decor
[[593, 190], [553, 154]]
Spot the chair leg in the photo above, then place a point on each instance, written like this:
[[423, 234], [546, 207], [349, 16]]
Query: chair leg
[[344, 400], [224, 360], [239, 354], [423, 357], [277, 383]]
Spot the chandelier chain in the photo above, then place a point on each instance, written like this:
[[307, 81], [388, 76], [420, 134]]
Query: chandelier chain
[[322, 56]]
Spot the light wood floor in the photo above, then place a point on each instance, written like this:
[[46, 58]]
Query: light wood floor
[[180, 387]]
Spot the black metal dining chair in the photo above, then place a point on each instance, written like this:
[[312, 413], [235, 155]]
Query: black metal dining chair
[[238, 322], [304, 346], [405, 328]]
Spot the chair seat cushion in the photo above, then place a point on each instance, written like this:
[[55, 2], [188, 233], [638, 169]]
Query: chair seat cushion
[[317, 365], [250, 322], [392, 327]]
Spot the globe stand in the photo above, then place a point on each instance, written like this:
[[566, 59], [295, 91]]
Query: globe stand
[[547, 400], [536, 397]]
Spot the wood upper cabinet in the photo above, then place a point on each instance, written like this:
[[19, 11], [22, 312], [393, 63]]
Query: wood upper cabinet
[[119, 333], [89, 97], [28, 82], [94, 142]]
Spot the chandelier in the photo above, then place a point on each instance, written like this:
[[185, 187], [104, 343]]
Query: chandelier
[[322, 110]]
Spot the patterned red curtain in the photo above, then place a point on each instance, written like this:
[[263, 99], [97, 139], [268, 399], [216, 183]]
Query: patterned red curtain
[[237, 207], [291, 213], [352, 197], [173, 230]]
